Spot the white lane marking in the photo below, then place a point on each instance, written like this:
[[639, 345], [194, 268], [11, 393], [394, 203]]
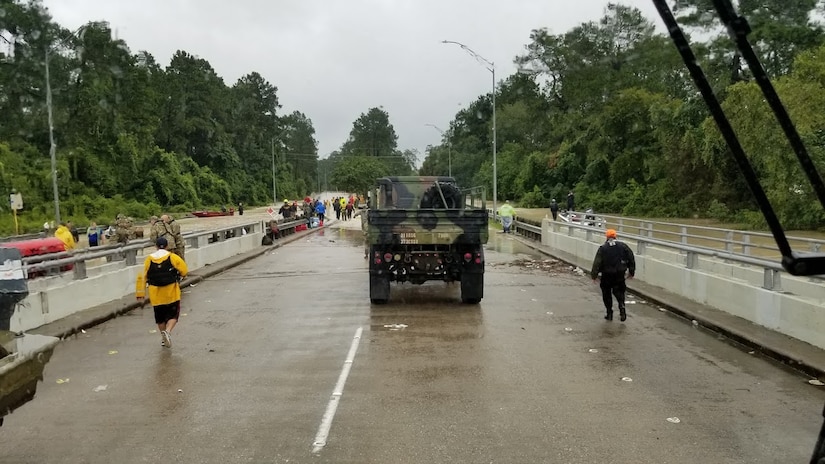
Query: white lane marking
[[329, 414]]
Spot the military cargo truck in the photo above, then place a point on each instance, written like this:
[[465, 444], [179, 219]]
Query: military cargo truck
[[425, 228]]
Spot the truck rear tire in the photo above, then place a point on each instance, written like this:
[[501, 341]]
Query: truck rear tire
[[472, 288], [379, 289]]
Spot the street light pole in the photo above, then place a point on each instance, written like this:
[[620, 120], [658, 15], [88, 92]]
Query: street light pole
[[274, 192], [52, 145], [492, 68], [449, 148]]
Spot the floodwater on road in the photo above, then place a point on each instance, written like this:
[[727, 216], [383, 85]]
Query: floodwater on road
[[283, 359]]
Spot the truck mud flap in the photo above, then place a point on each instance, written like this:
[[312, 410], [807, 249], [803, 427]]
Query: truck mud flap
[[472, 288], [379, 289]]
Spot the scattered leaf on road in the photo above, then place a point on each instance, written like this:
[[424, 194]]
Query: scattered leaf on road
[[66, 380], [100, 388], [674, 420], [626, 379], [112, 351]]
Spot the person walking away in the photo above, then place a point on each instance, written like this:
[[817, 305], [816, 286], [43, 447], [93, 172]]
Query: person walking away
[[65, 235], [162, 272], [350, 206], [554, 208], [176, 241], [74, 231], [320, 209], [93, 234], [336, 205], [123, 229], [612, 261], [506, 212], [240, 209], [571, 202], [156, 228]]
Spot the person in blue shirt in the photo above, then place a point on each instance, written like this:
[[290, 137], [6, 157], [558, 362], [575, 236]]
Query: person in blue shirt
[[320, 209], [93, 234]]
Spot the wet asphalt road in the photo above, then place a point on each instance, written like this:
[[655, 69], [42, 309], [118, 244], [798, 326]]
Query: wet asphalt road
[[515, 379]]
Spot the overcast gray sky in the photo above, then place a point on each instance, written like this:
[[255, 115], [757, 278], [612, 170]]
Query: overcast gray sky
[[335, 59]]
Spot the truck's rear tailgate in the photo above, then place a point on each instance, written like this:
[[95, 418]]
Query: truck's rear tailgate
[[427, 227]]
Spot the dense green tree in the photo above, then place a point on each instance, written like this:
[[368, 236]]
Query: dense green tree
[[370, 151], [131, 136], [607, 109]]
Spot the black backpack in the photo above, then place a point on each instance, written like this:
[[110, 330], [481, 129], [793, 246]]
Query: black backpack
[[163, 273]]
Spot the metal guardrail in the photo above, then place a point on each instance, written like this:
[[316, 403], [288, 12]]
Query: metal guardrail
[[772, 270], [52, 263], [736, 242], [681, 234]]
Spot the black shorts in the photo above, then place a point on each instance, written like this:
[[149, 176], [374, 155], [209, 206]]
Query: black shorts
[[163, 313]]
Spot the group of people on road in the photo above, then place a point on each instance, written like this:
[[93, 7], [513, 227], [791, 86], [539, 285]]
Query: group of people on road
[[344, 207], [571, 205]]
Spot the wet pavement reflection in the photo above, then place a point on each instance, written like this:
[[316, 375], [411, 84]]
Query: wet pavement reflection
[[531, 374]]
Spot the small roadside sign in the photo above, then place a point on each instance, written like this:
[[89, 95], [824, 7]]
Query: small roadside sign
[[271, 211], [16, 201]]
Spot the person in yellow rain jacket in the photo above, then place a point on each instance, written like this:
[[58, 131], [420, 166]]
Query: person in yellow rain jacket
[[162, 272], [507, 213], [65, 235]]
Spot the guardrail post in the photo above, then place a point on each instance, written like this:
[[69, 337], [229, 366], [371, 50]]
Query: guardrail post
[[815, 247], [691, 260], [683, 234], [131, 257], [640, 247], [746, 239], [729, 241], [80, 270], [621, 225], [649, 227], [772, 280], [589, 235], [570, 230]]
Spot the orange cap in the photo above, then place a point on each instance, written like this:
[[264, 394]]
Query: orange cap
[[610, 233]]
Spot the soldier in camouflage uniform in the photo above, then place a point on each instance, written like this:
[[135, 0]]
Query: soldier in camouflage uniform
[[124, 229], [156, 229], [173, 236], [307, 210]]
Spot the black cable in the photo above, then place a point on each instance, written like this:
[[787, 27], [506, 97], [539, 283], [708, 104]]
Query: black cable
[[724, 125], [738, 28], [795, 264]]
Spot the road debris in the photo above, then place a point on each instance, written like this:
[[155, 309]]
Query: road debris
[[395, 326]]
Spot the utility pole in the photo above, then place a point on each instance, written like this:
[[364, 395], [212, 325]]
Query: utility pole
[[274, 191], [52, 145]]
